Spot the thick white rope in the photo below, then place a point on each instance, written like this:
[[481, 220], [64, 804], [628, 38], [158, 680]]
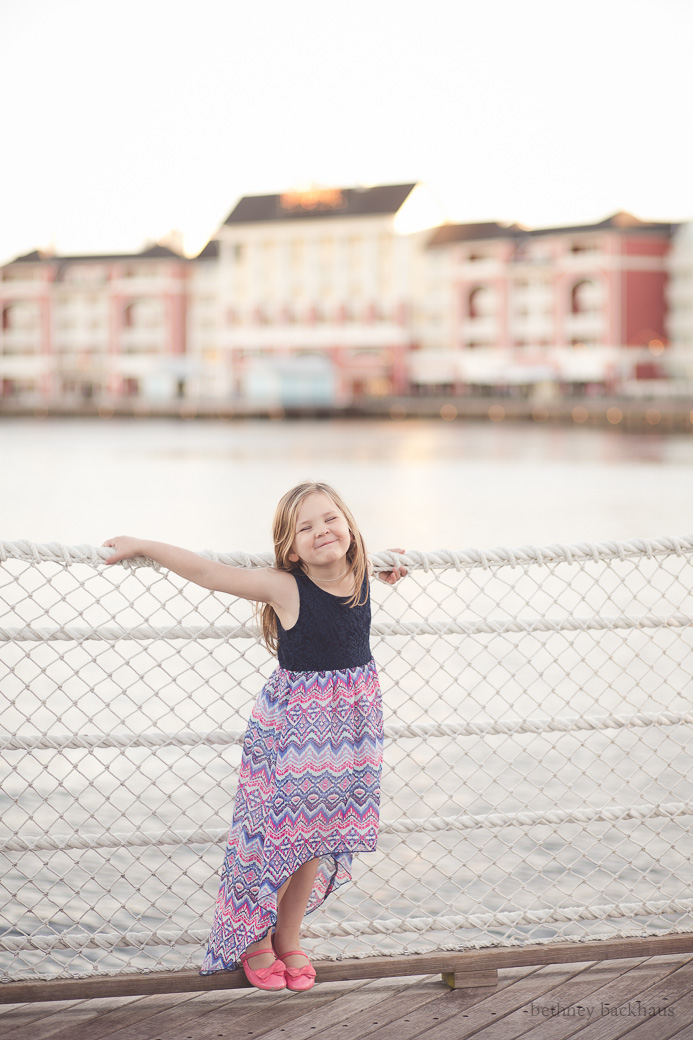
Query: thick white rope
[[415, 559], [403, 825], [503, 626], [392, 732], [191, 960], [409, 948], [139, 939]]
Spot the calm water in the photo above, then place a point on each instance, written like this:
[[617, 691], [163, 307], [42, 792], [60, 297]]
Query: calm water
[[420, 484]]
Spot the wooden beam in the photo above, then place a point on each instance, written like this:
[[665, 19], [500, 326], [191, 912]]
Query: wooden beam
[[470, 979], [465, 968]]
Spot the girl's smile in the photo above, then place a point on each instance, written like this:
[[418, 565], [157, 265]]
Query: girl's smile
[[322, 536]]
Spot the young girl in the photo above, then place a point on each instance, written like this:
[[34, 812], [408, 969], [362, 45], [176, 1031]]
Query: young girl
[[308, 792]]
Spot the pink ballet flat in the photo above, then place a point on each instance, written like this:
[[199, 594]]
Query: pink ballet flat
[[298, 979], [271, 978]]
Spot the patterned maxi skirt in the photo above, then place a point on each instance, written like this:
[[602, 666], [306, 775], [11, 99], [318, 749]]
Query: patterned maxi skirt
[[308, 787]]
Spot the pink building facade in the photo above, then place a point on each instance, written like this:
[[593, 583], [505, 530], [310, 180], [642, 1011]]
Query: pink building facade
[[328, 297], [579, 309], [93, 327]]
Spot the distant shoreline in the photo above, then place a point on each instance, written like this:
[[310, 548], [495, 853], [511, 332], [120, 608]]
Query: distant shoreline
[[664, 415]]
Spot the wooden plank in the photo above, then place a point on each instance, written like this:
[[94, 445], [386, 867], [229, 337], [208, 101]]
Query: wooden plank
[[355, 968], [32, 1012], [460, 1013], [354, 1023], [191, 981], [567, 953], [110, 1013], [62, 1021], [257, 1015], [570, 1006], [144, 1010], [673, 994], [574, 1008], [187, 1017], [470, 979]]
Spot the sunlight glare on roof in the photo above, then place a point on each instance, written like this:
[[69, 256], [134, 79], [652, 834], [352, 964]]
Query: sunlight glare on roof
[[421, 210]]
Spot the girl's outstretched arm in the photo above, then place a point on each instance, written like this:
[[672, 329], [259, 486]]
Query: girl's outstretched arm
[[264, 584]]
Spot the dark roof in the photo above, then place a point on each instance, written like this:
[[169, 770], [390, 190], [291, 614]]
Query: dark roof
[[210, 251], [471, 232], [36, 256], [321, 202], [157, 252], [620, 221], [150, 253]]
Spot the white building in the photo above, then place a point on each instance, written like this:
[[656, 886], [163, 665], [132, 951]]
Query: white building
[[316, 291]]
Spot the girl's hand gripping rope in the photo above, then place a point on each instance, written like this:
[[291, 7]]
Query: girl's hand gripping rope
[[395, 574], [124, 548]]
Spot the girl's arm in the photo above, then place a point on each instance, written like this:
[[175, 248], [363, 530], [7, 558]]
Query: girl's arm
[[263, 584]]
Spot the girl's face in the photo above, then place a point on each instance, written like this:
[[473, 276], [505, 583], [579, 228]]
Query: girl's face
[[322, 532]]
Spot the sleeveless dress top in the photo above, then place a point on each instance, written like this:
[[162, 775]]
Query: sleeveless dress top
[[310, 772], [328, 633]]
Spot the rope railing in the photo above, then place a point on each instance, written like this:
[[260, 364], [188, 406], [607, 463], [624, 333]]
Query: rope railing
[[536, 785], [69, 741], [423, 628], [407, 825]]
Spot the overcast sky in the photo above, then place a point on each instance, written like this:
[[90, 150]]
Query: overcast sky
[[121, 121]]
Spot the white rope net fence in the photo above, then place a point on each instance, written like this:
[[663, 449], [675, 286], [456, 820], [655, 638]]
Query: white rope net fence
[[537, 784]]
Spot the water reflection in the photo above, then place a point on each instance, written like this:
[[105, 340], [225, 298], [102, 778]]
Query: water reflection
[[423, 483]]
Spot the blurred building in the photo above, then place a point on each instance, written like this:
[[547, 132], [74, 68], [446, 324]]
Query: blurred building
[[554, 310], [76, 328], [680, 305], [323, 297], [306, 297]]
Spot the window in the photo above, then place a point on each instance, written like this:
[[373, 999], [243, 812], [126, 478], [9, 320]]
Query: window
[[355, 243], [296, 252], [142, 271], [481, 302], [326, 251], [21, 273], [23, 316], [581, 247], [585, 298], [144, 314], [268, 254]]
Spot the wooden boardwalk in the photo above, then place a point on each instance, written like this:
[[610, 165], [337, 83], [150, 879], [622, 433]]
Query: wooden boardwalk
[[641, 998]]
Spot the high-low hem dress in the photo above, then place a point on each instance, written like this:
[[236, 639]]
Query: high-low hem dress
[[309, 780]]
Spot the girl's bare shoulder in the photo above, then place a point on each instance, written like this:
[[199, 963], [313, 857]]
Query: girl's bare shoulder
[[286, 600]]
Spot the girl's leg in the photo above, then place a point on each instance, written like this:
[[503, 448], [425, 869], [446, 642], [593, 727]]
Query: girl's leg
[[292, 910], [265, 943], [292, 900]]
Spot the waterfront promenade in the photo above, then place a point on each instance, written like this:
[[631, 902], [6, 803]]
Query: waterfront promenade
[[666, 414], [636, 998]]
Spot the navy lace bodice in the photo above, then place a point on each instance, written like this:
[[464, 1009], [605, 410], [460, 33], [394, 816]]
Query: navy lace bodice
[[328, 634]]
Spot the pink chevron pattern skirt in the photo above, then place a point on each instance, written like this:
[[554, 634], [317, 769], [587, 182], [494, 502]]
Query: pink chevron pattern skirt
[[308, 787]]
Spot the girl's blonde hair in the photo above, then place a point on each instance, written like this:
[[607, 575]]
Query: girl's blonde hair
[[284, 533]]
